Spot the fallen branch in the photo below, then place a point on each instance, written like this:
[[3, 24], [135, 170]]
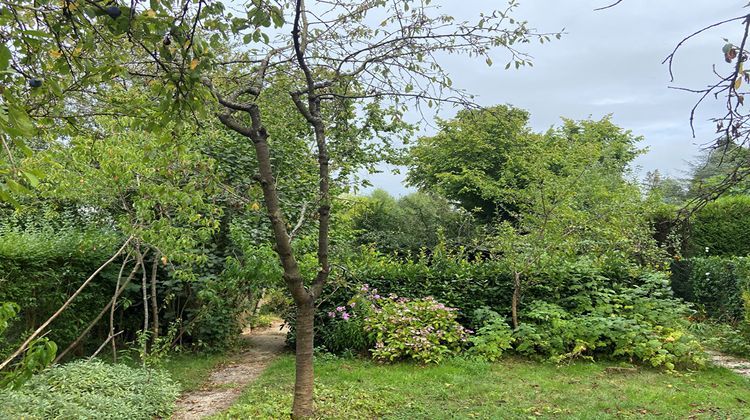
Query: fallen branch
[[119, 292], [67, 303], [111, 337]]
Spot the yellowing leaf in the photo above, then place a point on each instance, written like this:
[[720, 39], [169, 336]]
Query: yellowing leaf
[[164, 260], [737, 83], [194, 63], [150, 13], [55, 53], [255, 207]]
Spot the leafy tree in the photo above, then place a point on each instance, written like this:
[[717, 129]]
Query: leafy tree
[[669, 190], [412, 223], [470, 160], [563, 194], [715, 166], [337, 58], [335, 65]]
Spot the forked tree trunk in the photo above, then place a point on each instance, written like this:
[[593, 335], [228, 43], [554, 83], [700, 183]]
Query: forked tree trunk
[[304, 298], [515, 299]]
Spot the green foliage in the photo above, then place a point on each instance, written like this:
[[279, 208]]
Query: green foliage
[[38, 355], [715, 284], [639, 324], [91, 390], [422, 330], [724, 337], [8, 311], [472, 157], [492, 338], [41, 264], [410, 224], [452, 277], [716, 166], [721, 228], [154, 188]]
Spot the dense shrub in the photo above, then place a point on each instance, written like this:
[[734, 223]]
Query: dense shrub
[[346, 328], [41, 266], [455, 279], [641, 324], [722, 227], [723, 337], [91, 390], [423, 330], [715, 284], [493, 337]]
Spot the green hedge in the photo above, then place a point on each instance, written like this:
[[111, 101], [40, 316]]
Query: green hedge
[[456, 280], [40, 269], [722, 227], [716, 284]]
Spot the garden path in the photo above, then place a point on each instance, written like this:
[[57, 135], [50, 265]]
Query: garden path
[[737, 365], [226, 383]]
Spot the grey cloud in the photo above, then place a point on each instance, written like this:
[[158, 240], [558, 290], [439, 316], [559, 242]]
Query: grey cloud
[[608, 62]]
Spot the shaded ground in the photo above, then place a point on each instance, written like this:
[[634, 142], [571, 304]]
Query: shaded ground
[[226, 383], [736, 365]]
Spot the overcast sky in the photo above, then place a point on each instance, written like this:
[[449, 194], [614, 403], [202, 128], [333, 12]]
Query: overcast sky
[[608, 62]]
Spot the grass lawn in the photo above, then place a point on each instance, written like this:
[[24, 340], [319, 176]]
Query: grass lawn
[[191, 370], [513, 388]]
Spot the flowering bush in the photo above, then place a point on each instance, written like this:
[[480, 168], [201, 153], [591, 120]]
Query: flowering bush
[[423, 330], [345, 327]]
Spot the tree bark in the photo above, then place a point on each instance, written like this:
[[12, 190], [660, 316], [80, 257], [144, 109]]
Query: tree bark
[[303, 298], [304, 383], [154, 301], [144, 293], [515, 299]]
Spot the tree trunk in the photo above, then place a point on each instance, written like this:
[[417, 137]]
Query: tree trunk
[[154, 301], [304, 299], [515, 299], [144, 293], [303, 386]]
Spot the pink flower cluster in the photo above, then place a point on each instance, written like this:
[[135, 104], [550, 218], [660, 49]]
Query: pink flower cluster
[[342, 312]]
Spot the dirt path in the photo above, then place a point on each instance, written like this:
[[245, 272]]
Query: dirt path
[[228, 381], [738, 366]]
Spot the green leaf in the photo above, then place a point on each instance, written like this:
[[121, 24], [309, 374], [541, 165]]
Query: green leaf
[[4, 57], [31, 178]]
